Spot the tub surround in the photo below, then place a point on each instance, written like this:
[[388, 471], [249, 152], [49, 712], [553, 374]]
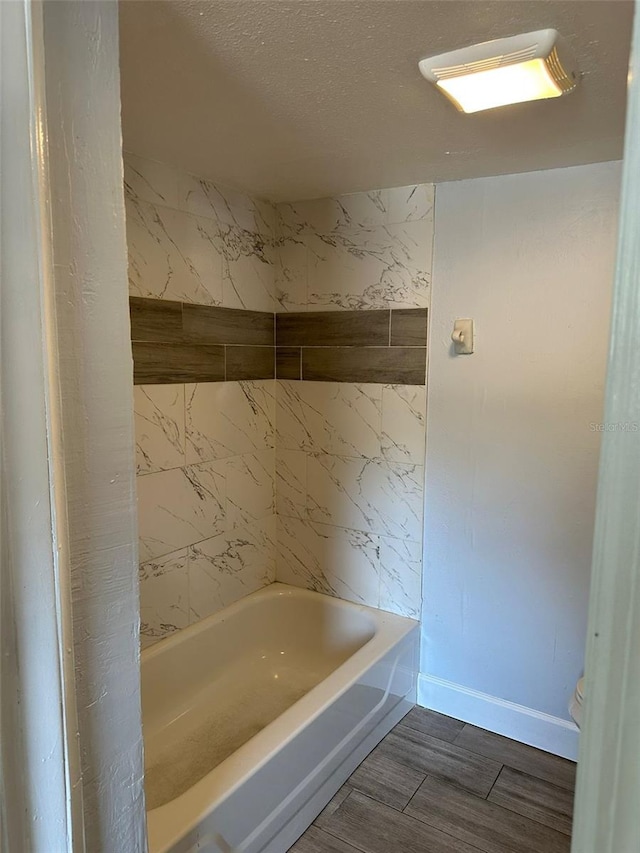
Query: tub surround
[[353, 346], [353, 289], [202, 287], [206, 498], [350, 280], [177, 342], [194, 241], [362, 251], [183, 342], [349, 467]]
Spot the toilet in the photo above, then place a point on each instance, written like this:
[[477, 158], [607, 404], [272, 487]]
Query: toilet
[[575, 706]]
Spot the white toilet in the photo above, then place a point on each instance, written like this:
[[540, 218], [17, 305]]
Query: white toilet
[[575, 706]]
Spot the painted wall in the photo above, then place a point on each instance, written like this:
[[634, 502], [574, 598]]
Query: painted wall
[[350, 456], [95, 401], [34, 773], [205, 451], [512, 444]]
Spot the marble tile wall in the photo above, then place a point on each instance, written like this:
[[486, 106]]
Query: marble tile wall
[[206, 498], [360, 251], [318, 484], [350, 455], [191, 240], [350, 467], [205, 450]]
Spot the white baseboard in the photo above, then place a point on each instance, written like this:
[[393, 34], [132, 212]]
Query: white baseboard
[[543, 731]]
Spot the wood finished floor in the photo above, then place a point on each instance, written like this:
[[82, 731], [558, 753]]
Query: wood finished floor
[[436, 785]]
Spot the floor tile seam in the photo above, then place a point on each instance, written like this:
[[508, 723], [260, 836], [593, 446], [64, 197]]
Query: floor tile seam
[[410, 817], [528, 816], [382, 803], [479, 797], [415, 729], [482, 800], [460, 748], [506, 764]]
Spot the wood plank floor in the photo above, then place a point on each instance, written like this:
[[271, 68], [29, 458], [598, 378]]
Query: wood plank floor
[[436, 785]]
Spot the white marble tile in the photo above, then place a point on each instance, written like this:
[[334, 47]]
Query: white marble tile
[[227, 567], [404, 423], [297, 556], [340, 418], [229, 418], [292, 432], [149, 180], [227, 206], [164, 598], [159, 425], [368, 495], [291, 269], [389, 267], [407, 204], [179, 507], [339, 562], [248, 269], [291, 483], [173, 255], [250, 486], [356, 211], [349, 560], [401, 576]]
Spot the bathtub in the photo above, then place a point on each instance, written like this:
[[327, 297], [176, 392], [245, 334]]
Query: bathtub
[[254, 717]]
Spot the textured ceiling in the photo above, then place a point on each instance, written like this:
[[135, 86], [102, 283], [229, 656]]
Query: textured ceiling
[[298, 99]]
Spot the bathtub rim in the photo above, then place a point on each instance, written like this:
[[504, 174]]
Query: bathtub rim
[[168, 823], [272, 590]]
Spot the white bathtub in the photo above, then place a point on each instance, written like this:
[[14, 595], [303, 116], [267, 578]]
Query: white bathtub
[[254, 717]]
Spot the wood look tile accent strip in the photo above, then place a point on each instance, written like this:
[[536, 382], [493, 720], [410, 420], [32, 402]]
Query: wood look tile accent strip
[[409, 327], [387, 365], [250, 363], [333, 328], [176, 342], [288, 363], [381, 346], [204, 324], [165, 363], [155, 319]]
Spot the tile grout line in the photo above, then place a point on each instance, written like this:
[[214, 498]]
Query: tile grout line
[[518, 743], [412, 819], [493, 785]]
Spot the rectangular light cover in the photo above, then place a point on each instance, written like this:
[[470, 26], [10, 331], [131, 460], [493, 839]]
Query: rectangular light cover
[[505, 71]]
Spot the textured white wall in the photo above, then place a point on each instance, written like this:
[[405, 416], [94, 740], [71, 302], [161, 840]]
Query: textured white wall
[[89, 248], [511, 458], [35, 776]]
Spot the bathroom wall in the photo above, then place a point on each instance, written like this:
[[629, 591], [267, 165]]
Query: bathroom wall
[[350, 451], [513, 445], [83, 338], [205, 445]]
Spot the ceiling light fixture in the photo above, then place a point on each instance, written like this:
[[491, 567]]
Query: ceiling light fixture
[[527, 67]]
